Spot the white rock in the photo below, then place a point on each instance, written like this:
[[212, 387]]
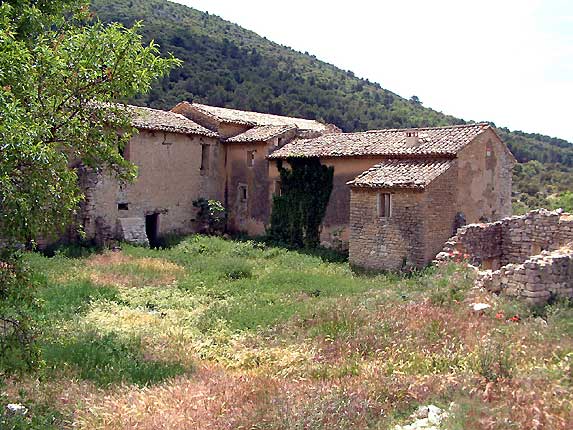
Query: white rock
[[477, 307], [17, 409], [421, 412]]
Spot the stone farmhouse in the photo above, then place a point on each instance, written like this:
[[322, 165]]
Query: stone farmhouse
[[191, 152], [398, 195]]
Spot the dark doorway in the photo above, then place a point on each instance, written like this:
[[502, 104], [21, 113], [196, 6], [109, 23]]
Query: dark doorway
[[152, 229]]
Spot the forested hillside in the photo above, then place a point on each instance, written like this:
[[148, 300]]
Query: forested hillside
[[226, 65]]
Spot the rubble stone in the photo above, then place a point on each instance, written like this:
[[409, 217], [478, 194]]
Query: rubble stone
[[535, 252]]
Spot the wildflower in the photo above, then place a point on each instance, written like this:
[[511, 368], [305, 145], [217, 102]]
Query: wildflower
[[515, 318], [500, 315]]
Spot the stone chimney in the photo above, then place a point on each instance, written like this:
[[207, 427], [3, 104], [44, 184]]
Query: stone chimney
[[412, 138]]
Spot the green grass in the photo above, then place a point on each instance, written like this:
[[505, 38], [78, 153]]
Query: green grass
[[106, 360], [63, 302], [301, 326]]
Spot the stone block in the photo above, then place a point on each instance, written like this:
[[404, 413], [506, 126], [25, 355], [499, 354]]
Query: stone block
[[132, 230]]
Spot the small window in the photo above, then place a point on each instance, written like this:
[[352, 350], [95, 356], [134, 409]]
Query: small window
[[243, 193], [122, 206], [204, 158], [251, 158], [488, 149], [277, 188], [384, 205]]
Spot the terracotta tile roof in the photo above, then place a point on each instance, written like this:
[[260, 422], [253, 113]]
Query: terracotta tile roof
[[236, 116], [435, 141], [261, 133], [410, 173], [160, 120]]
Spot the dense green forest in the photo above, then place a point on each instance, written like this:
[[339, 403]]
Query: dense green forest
[[226, 65]]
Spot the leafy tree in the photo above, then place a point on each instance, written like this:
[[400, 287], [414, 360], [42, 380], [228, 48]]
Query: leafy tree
[[415, 100], [60, 76], [563, 201], [57, 84]]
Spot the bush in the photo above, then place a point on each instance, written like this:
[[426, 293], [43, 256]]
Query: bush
[[493, 361], [18, 351], [211, 215], [236, 269]]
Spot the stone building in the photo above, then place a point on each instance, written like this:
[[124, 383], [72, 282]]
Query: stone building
[[400, 194], [190, 152], [247, 139], [177, 161]]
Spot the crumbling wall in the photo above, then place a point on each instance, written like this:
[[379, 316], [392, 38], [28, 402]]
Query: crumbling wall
[[527, 256], [539, 279]]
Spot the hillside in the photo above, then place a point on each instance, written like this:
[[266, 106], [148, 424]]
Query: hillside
[[226, 65]]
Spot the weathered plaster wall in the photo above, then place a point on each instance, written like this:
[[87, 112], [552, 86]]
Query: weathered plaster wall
[[484, 179], [250, 215], [169, 179], [227, 130]]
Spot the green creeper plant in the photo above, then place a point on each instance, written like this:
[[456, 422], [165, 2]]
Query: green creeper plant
[[298, 212]]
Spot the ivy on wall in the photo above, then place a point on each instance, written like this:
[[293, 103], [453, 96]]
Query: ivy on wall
[[300, 208]]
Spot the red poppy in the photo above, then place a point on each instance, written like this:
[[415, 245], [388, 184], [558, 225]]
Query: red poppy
[[515, 318], [500, 315]]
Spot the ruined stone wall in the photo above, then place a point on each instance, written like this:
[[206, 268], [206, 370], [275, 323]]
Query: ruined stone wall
[[387, 243], [539, 279], [512, 239], [526, 256], [169, 179]]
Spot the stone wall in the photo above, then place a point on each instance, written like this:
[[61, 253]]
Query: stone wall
[[386, 243], [420, 223], [512, 239], [537, 280], [169, 179], [528, 256]]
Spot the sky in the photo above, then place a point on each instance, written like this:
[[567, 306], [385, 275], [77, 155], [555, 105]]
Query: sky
[[506, 61]]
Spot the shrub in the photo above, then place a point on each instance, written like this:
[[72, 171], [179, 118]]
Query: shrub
[[18, 351], [211, 215], [493, 361], [236, 269]]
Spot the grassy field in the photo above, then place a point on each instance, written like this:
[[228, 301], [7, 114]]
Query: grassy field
[[222, 334]]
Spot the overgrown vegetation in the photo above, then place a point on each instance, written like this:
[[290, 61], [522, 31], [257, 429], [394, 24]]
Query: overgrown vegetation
[[224, 334], [226, 65], [61, 74], [211, 215], [300, 208], [18, 352]]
